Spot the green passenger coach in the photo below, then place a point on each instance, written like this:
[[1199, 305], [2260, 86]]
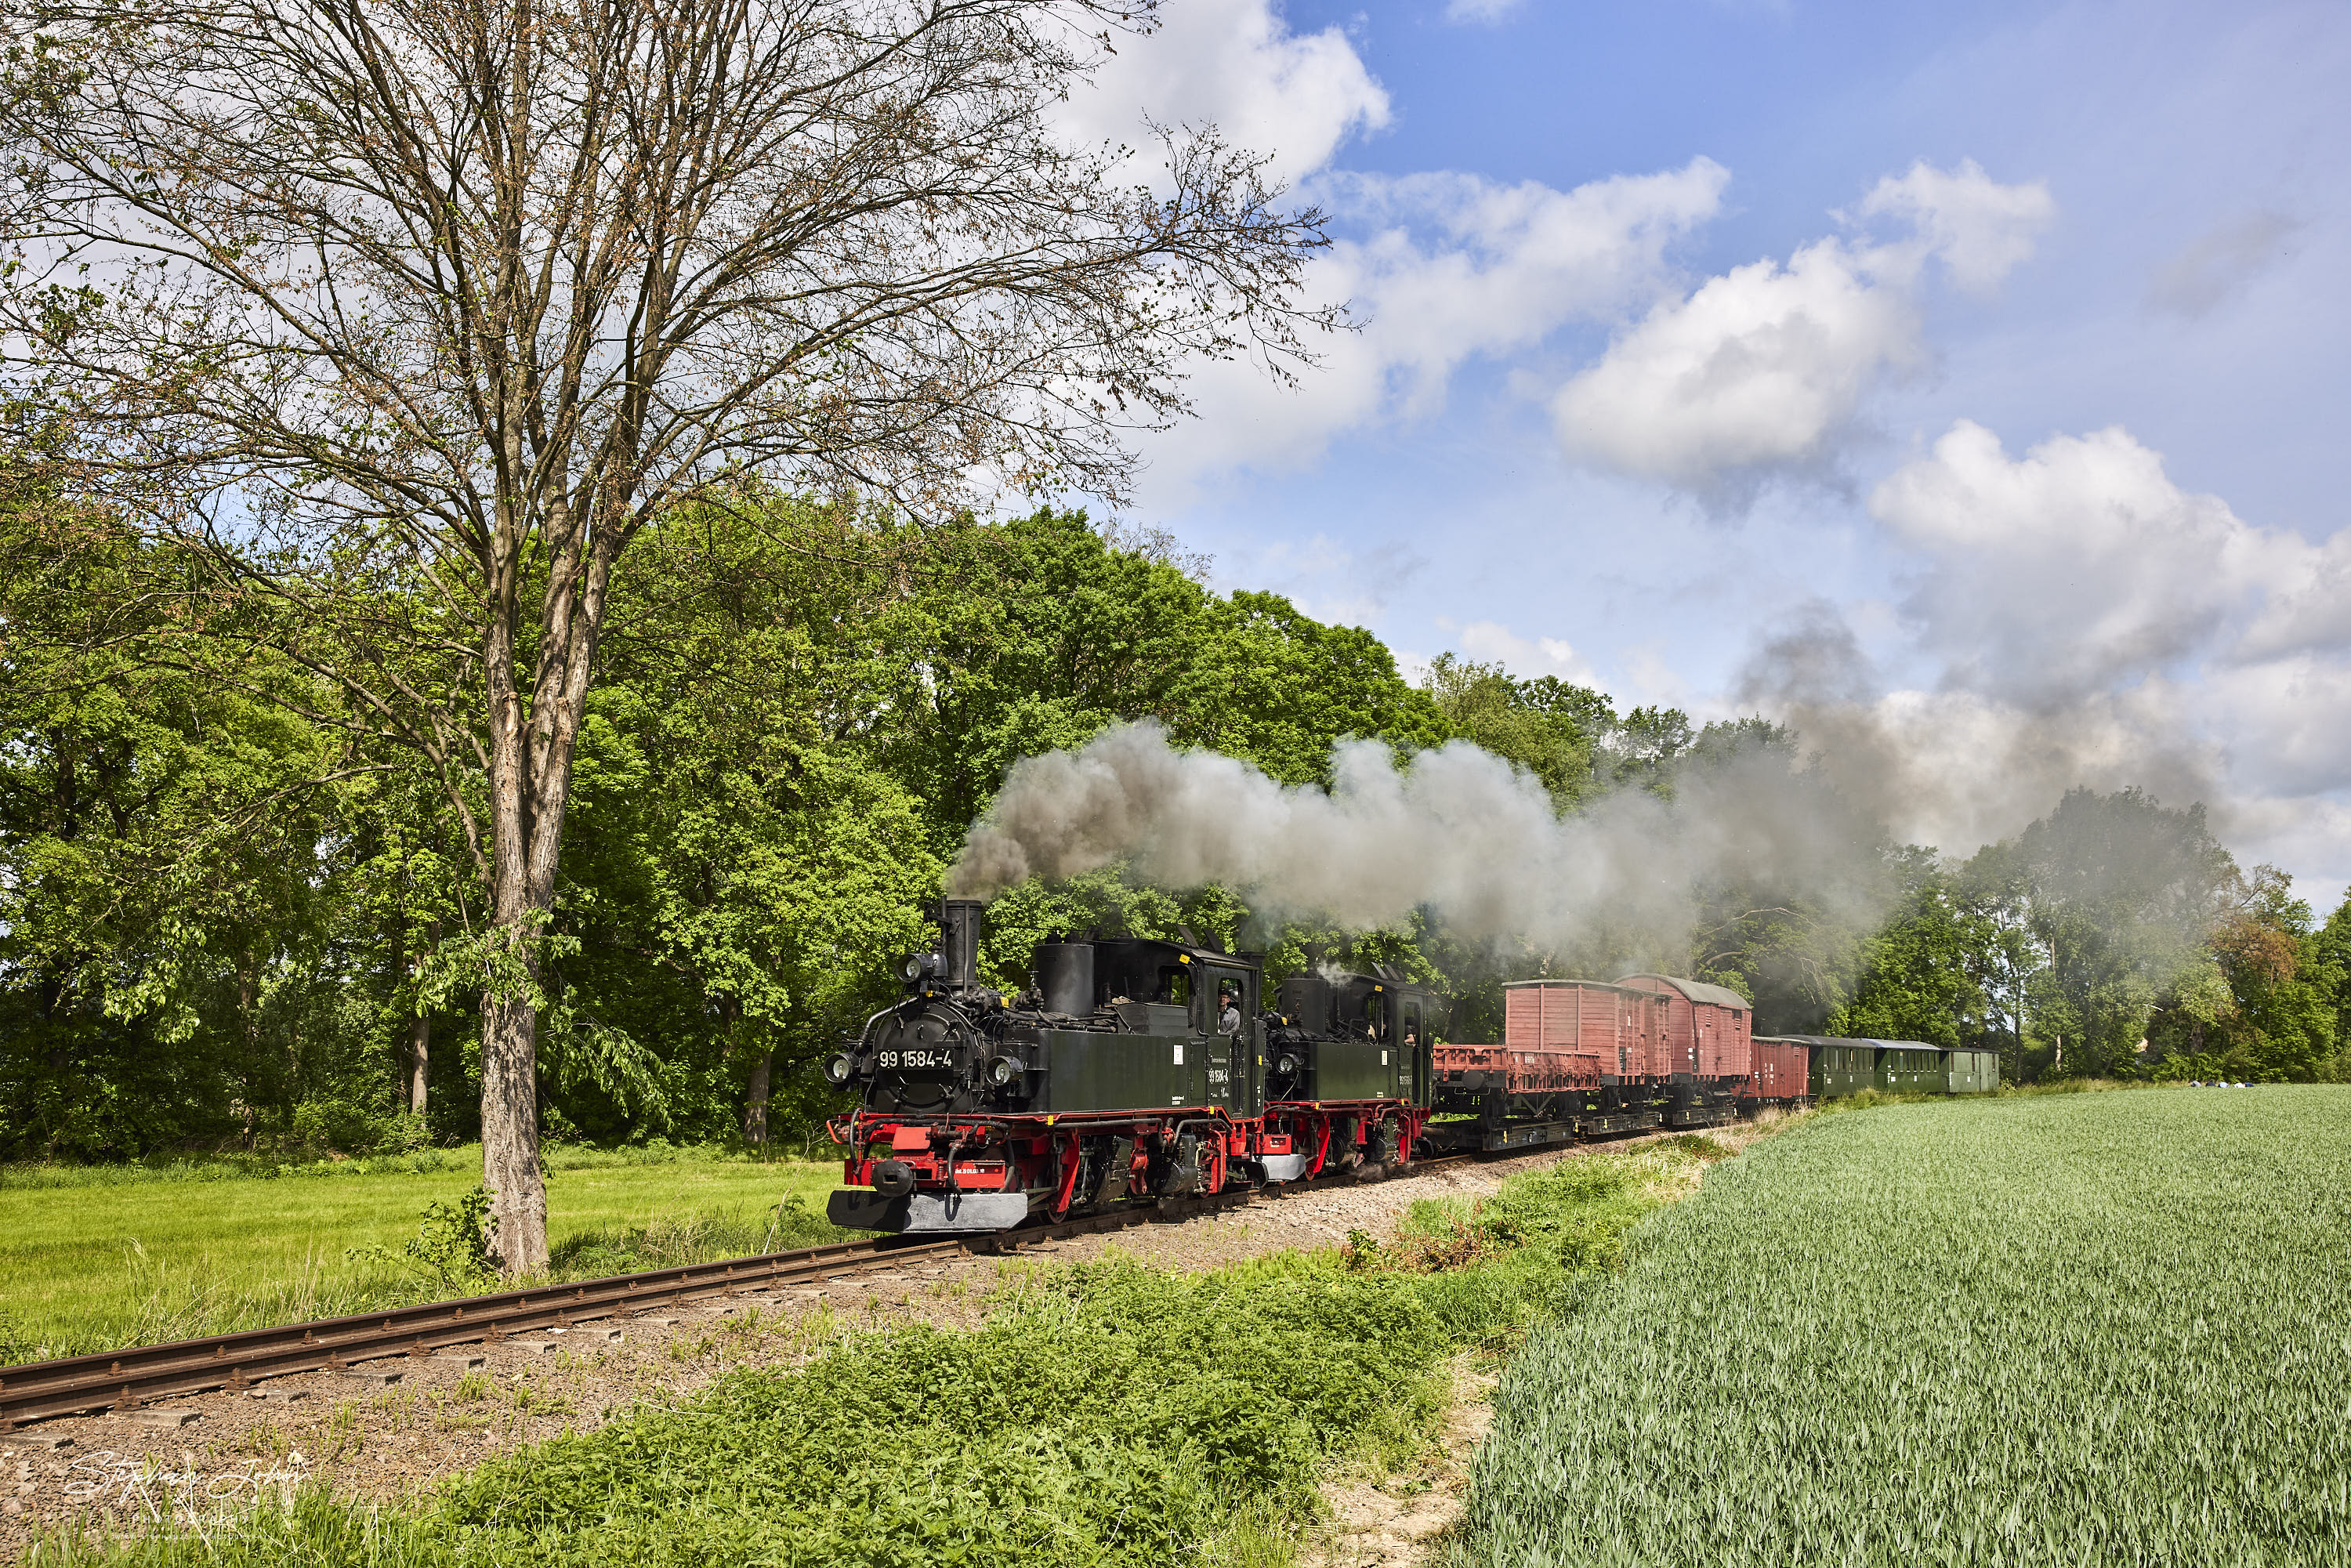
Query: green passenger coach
[[1842, 1066], [1839, 1067], [1909, 1067]]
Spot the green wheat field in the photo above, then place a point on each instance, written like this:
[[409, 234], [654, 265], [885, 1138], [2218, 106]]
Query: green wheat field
[[2082, 1328]]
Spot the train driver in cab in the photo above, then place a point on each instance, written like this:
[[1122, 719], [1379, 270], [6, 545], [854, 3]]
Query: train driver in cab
[[1228, 1011]]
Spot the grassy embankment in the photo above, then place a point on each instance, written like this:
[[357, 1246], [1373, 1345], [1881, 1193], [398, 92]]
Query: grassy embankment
[[96, 1258], [1103, 1415], [2101, 1328]]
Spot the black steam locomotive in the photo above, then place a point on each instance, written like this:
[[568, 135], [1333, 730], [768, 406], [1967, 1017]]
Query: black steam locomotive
[[1128, 1072]]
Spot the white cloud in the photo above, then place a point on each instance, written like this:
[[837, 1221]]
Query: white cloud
[[1762, 368], [1763, 371], [1529, 658], [1323, 578], [2286, 721], [2069, 568], [2094, 623], [1235, 65], [1650, 676], [1959, 769], [1487, 11], [2306, 603], [2082, 563], [1441, 268], [1981, 229]]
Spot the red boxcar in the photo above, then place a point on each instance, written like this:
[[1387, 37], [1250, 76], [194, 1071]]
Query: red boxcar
[[1613, 1030], [1782, 1072], [1708, 1029]]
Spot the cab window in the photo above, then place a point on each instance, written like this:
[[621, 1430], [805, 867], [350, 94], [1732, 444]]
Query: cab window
[[1215, 986]]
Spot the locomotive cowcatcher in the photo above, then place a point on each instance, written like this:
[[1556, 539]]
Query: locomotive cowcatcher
[[1129, 1071]]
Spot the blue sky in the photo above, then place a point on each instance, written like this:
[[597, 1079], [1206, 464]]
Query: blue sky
[[1965, 385]]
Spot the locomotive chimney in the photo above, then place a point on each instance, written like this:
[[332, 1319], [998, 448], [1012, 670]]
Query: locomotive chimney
[[960, 935]]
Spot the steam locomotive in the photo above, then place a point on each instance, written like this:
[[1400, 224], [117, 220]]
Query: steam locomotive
[[1135, 1070], [1129, 1071]]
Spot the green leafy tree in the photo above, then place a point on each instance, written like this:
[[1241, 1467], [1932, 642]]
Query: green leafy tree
[[1549, 727], [178, 864], [2263, 1003], [447, 305], [743, 867], [2121, 892], [1918, 977]]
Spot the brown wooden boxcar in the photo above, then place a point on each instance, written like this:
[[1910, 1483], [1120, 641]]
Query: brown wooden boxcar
[[1708, 1029], [1782, 1072], [1614, 1031]]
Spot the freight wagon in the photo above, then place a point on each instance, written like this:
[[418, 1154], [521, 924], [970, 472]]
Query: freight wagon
[[1585, 1057]]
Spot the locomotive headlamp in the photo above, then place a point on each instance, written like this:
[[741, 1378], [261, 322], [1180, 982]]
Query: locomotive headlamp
[[1003, 1070], [836, 1070], [915, 965], [1285, 1064]]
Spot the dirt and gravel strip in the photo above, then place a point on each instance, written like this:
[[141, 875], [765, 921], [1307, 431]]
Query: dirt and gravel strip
[[1398, 1519], [447, 1413]]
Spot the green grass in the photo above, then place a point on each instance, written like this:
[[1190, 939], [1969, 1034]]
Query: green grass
[[2060, 1329], [159, 1255], [1103, 1415]]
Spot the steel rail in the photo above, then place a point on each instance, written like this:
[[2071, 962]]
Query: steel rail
[[125, 1379]]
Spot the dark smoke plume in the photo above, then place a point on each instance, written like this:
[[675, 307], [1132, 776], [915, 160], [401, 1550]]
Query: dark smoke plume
[[1459, 832]]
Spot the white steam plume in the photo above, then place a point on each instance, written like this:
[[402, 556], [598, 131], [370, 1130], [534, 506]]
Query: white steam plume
[[1459, 831]]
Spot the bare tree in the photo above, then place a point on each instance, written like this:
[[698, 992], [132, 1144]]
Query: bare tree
[[409, 314]]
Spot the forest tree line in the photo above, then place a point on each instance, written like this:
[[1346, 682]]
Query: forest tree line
[[231, 916]]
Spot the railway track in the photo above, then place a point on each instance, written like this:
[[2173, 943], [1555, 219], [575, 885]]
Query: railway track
[[126, 1380]]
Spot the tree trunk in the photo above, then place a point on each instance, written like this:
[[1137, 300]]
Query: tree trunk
[[755, 1110], [419, 1051], [510, 1135], [532, 742]]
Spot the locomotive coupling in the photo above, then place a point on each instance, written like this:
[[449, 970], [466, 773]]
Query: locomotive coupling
[[893, 1179]]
